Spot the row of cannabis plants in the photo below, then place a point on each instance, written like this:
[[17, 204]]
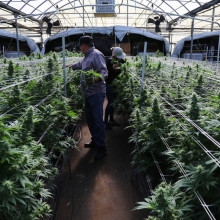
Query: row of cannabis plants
[[37, 124], [175, 127]]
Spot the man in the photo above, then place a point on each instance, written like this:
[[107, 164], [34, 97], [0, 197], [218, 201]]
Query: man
[[94, 93], [113, 66]]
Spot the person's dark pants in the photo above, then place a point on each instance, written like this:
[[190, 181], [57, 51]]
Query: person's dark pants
[[94, 116], [109, 110]]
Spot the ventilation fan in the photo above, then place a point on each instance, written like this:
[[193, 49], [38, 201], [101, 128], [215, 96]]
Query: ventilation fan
[[157, 20], [50, 24]]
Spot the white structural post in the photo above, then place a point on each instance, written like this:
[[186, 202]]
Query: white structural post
[[64, 64], [143, 67], [213, 17], [83, 14], [218, 51], [41, 36], [3, 48], [192, 31], [127, 12], [16, 21], [207, 50], [115, 36]]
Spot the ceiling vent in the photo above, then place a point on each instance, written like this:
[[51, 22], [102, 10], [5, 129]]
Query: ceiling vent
[[106, 7]]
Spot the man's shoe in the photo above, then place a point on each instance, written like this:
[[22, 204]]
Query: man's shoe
[[100, 153], [90, 145], [108, 127], [113, 123]]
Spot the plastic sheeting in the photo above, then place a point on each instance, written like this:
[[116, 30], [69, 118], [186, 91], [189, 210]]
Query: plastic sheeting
[[179, 46], [120, 32], [32, 45]]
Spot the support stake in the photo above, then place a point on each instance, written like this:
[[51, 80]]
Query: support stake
[[218, 51], [143, 67], [64, 64], [3, 48], [192, 31], [16, 21]]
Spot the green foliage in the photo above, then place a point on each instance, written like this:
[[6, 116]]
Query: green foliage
[[149, 118], [90, 76], [159, 66], [26, 74], [199, 88], [10, 69], [55, 57], [194, 111], [5, 60], [50, 65], [33, 138], [39, 56], [20, 165], [156, 116], [168, 202], [200, 177], [159, 54], [27, 126]]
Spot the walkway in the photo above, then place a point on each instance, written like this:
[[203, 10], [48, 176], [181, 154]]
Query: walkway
[[99, 190]]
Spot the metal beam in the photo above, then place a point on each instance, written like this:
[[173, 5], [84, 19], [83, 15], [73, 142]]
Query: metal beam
[[13, 23], [195, 11], [191, 44], [81, 6], [18, 47], [213, 17], [187, 16], [8, 7]]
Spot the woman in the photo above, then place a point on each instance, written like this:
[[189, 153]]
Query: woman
[[113, 66]]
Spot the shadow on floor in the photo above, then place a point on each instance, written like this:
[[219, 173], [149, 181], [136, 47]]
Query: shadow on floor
[[99, 190]]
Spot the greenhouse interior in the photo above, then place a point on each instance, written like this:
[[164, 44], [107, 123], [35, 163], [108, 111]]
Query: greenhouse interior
[[110, 110]]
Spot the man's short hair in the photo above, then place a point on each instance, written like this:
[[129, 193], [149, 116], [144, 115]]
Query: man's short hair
[[86, 40]]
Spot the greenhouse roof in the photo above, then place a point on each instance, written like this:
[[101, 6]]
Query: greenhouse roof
[[171, 16], [41, 6]]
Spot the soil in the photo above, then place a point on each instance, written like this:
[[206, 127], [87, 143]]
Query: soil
[[99, 190]]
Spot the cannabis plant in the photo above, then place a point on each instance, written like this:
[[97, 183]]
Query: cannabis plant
[[90, 76], [168, 202], [10, 69], [194, 111], [21, 166]]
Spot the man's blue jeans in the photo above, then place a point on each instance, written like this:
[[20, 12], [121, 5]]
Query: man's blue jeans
[[94, 116], [109, 110]]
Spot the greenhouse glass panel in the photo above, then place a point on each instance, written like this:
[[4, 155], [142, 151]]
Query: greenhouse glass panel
[[18, 5], [51, 9], [182, 11], [45, 6], [35, 4], [36, 12], [5, 2], [175, 6], [27, 9], [62, 3]]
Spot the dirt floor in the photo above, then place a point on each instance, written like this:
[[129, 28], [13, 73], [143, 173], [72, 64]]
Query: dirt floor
[[99, 190]]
